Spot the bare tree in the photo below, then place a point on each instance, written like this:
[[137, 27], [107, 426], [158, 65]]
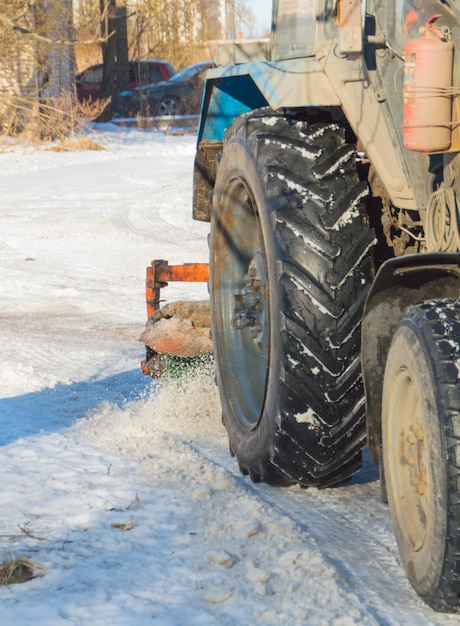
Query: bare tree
[[244, 17], [115, 75], [55, 52], [167, 29], [176, 30]]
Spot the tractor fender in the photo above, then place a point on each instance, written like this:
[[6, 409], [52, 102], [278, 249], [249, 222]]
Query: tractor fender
[[400, 282], [232, 90]]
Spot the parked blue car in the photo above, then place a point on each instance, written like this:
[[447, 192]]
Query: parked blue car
[[179, 95]]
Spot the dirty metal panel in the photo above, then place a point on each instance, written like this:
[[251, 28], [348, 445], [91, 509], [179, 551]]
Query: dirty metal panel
[[294, 83], [243, 52], [294, 31], [232, 90]]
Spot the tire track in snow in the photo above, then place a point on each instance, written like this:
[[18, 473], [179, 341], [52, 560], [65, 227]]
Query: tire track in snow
[[349, 525], [364, 555]]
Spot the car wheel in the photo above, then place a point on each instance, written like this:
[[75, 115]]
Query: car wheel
[[169, 106]]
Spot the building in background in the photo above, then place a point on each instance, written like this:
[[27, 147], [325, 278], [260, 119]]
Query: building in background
[[215, 19], [37, 61]]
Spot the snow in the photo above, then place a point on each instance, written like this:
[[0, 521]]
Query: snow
[[309, 417], [121, 486]]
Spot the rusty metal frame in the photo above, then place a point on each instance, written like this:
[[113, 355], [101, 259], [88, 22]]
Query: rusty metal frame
[[160, 273]]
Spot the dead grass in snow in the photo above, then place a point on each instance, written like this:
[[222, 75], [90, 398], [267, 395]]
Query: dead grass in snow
[[19, 570]]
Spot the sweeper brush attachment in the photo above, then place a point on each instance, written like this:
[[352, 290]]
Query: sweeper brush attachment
[[179, 331]]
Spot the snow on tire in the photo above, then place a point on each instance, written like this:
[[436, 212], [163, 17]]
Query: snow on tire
[[290, 269]]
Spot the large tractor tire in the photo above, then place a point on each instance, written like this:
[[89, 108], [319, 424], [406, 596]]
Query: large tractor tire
[[290, 268], [421, 439]]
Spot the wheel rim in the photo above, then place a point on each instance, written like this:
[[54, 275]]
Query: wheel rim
[[240, 299], [408, 460], [169, 106]]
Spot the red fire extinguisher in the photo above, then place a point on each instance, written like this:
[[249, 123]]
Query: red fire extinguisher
[[428, 80]]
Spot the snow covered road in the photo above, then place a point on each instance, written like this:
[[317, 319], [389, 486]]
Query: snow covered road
[[122, 487]]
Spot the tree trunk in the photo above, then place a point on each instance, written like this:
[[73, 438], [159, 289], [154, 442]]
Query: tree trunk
[[109, 46], [115, 74], [122, 80]]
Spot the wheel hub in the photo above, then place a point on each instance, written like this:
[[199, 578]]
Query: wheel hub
[[410, 468], [248, 311], [416, 458]]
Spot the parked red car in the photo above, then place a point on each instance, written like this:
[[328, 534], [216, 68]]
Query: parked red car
[[143, 72]]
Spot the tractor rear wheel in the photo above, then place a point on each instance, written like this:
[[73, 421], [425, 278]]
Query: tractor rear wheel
[[421, 436], [290, 268]]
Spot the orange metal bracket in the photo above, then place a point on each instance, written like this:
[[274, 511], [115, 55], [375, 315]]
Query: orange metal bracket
[[160, 273]]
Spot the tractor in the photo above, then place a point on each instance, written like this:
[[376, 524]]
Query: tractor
[[328, 166]]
